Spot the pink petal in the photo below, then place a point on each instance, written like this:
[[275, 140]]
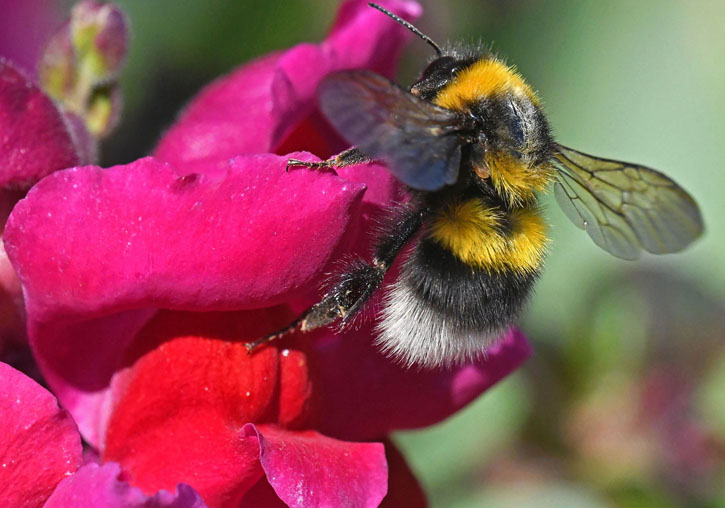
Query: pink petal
[[382, 191], [36, 139], [88, 241], [229, 117], [256, 107], [361, 37], [364, 394], [308, 469], [369, 39], [39, 443], [99, 486], [403, 488], [78, 360]]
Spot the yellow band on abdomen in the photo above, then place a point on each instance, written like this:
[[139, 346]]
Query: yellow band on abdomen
[[475, 233]]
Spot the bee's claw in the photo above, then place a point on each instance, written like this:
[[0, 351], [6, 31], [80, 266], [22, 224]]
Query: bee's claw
[[251, 346], [293, 162], [297, 324]]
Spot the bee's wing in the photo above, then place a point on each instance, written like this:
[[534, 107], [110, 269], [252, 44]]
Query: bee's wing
[[419, 141], [625, 207]]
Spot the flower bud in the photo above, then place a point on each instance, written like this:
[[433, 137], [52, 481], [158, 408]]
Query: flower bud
[[99, 33], [80, 65]]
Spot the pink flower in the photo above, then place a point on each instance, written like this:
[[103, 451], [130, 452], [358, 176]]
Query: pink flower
[[143, 281], [24, 29]]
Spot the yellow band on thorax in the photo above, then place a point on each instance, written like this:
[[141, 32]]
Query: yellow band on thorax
[[485, 78], [514, 180]]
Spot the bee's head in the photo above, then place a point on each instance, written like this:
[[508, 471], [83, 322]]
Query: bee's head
[[439, 74], [509, 137], [510, 142]]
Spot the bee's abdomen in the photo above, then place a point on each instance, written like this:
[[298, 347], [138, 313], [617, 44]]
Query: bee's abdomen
[[449, 302], [442, 311], [472, 298]]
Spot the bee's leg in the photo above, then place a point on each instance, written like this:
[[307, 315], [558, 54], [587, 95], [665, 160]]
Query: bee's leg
[[358, 282], [349, 157], [346, 297]]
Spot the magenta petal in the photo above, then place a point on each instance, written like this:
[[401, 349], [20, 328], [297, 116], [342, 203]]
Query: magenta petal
[[382, 191], [382, 187], [296, 76], [229, 117], [98, 486], [364, 394], [252, 109], [39, 443], [36, 139], [363, 37], [307, 469], [88, 241]]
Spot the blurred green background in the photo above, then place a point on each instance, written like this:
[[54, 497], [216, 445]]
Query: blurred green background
[[623, 403]]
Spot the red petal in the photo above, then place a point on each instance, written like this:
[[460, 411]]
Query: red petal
[[262, 495], [178, 409], [111, 246]]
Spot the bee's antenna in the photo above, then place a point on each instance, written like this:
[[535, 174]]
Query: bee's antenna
[[409, 27]]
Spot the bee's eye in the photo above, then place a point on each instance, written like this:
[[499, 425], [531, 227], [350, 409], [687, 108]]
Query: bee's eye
[[438, 66], [438, 74], [516, 123]]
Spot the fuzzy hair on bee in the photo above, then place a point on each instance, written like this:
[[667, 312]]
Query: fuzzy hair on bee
[[473, 149]]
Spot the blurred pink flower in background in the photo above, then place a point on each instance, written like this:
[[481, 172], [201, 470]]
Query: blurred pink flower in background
[[143, 281], [25, 27]]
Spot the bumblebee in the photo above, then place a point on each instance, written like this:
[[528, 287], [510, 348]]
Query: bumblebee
[[471, 145]]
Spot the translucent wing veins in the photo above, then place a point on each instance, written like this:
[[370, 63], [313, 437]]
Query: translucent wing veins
[[625, 207]]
